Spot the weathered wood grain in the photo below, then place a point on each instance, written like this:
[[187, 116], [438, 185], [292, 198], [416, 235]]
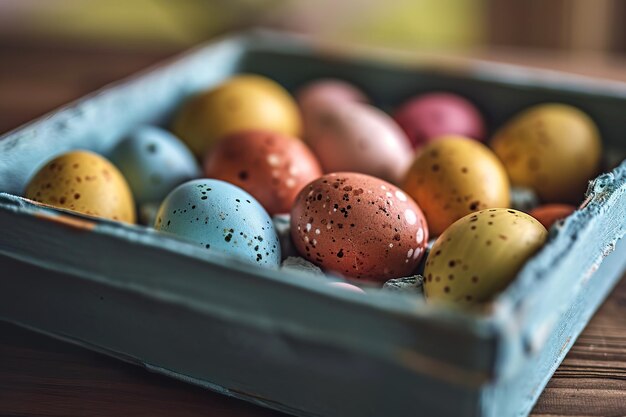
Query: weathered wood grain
[[591, 381], [45, 377], [42, 376]]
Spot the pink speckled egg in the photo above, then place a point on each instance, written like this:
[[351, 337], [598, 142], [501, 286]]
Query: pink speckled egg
[[360, 138], [358, 226], [271, 166], [428, 116]]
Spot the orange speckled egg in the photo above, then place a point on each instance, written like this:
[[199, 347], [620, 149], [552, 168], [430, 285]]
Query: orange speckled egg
[[244, 102], [359, 226], [350, 136], [86, 183], [270, 166], [454, 176], [549, 214], [555, 149]]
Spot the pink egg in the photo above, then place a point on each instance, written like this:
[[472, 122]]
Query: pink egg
[[347, 286], [315, 96], [328, 90], [428, 116], [360, 138]]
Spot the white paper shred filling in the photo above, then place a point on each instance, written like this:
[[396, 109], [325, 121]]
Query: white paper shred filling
[[297, 263], [412, 284], [283, 229], [523, 199]]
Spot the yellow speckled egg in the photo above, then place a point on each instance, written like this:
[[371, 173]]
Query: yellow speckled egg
[[244, 102], [479, 255], [86, 183], [454, 176], [553, 148]]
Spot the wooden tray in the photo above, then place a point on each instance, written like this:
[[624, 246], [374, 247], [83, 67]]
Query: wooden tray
[[286, 341]]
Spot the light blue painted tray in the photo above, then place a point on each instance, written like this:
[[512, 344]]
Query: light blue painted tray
[[284, 340]]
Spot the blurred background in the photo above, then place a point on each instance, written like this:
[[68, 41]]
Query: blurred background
[[576, 25], [56, 50]]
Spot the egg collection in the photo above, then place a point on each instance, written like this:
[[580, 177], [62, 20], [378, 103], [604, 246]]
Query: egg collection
[[358, 191]]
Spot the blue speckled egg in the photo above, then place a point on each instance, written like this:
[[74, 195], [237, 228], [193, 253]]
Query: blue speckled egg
[[153, 161], [220, 217]]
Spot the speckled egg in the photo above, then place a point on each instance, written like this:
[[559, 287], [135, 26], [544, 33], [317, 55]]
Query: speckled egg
[[84, 182], [244, 102], [270, 166], [360, 138], [479, 255], [549, 214], [222, 218], [429, 116], [359, 226], [554, 149], [153, 161], [455, 176]]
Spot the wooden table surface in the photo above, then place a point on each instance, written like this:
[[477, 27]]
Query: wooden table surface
[[42, 376]]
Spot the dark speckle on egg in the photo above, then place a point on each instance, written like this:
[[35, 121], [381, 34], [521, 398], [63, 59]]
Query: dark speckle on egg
[[270, 166]]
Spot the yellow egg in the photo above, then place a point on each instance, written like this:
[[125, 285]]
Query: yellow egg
[[554, 149], [84, 182], [454, 176], [244, 102], [479, 255]]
